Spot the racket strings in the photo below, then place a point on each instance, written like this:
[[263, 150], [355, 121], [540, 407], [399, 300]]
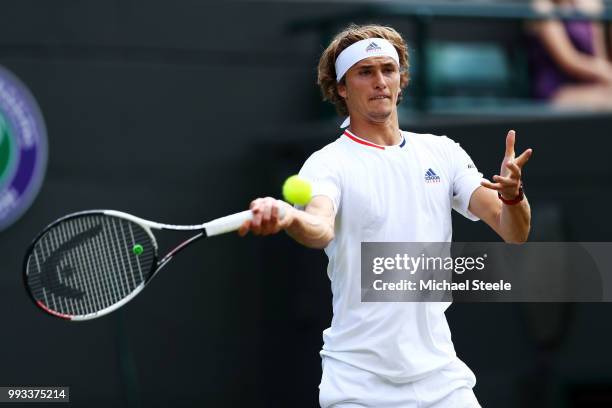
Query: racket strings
[[87, 264], [53, 282], [104, 291], [107, 291]]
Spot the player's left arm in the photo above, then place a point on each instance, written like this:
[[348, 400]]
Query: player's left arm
[[511, 222]]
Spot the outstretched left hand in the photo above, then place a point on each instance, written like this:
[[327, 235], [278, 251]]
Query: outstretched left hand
[[509, 180]]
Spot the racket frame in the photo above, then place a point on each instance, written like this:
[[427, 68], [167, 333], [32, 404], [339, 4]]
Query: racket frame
[[215, 227]]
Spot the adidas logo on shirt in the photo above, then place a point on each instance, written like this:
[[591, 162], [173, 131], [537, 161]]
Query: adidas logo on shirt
[[372, 47], [431, 177]]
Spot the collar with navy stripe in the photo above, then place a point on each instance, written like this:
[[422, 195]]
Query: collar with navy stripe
[[364, 142]]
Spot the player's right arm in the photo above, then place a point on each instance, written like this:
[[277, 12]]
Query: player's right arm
[[313, 227]]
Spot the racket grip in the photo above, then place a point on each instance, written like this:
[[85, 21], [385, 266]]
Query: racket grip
[[232, 222]]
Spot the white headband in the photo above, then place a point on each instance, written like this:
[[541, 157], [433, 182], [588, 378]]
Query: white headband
[[370, 47]]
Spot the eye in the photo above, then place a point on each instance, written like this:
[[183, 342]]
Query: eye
[[364, 72]]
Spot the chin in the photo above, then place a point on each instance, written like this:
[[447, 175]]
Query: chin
[[380, 116]]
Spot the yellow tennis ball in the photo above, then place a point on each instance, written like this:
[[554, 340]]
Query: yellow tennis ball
[[297, 190]]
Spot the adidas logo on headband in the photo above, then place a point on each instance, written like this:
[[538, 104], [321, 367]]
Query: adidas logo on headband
[[373, 47]]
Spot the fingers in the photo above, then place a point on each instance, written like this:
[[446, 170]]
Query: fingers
[[500, 183], [244, 228], [523, 158], [265, 218], [266, 215], [509, 180], [255, 224], [506, 186], [510, 142], [493, 186], [510, 139], [506, 181], [514, 171], [274, 213]]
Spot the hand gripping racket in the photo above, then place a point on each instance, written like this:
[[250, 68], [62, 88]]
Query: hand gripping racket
[[90, 263]]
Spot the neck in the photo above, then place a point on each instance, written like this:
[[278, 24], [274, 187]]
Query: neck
[[384, 133]]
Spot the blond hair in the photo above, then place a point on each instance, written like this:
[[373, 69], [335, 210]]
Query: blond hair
[[327, 69]]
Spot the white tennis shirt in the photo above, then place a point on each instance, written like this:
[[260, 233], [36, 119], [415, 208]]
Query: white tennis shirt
[[401, 193]]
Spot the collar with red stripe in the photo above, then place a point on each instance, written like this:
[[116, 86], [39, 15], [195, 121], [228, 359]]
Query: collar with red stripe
[[359, 140]]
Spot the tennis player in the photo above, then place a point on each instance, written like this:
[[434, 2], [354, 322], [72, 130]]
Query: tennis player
[[379, 183]]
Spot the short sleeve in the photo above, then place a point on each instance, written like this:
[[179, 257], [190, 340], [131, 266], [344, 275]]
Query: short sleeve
[[320, 170], [466, 179]]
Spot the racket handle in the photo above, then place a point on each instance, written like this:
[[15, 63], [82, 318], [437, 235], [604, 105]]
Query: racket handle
[[232, 222]]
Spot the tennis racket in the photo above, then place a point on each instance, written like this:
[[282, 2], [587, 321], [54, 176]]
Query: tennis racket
[[88, 264]]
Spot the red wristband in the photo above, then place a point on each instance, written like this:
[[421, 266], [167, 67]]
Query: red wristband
[[515, 200]]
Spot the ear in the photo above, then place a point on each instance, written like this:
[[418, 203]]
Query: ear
[[341, 87]]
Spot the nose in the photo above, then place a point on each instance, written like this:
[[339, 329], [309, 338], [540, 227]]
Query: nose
[[379, 80]]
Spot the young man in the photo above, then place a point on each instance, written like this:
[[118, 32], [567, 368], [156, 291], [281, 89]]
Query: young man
[[371, 184]]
